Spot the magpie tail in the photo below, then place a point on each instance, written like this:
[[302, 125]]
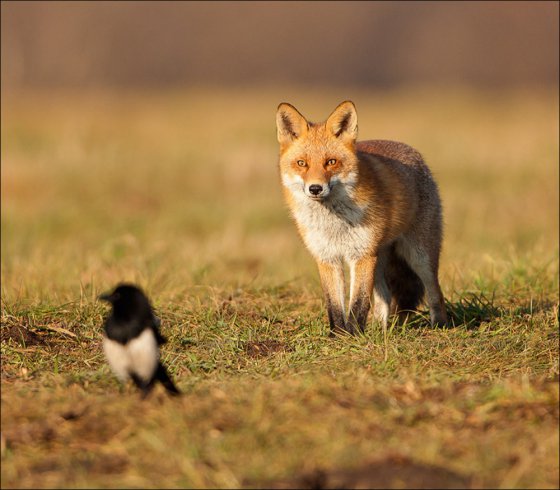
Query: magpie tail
[[163, 377]]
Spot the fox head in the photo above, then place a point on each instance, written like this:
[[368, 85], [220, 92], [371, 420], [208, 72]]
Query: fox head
[[317, 158]]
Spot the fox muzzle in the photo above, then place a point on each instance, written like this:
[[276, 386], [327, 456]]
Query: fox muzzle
[[317, 191]]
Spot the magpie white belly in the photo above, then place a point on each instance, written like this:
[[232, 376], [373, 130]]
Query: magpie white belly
[[139, 356]]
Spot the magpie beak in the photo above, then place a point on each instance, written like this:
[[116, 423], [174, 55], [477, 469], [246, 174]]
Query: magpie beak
[[109, 297]]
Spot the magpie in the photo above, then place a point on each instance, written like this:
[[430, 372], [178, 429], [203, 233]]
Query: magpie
[[131, 340]]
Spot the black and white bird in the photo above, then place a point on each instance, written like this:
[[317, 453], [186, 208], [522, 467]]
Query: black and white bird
[[131, 340]]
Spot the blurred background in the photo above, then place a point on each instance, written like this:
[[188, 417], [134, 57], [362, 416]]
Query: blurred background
[[138, 138], [374, 44]]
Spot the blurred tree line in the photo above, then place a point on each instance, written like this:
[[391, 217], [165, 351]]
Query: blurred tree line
[[324, 43]]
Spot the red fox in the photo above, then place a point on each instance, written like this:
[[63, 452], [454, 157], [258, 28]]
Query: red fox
[[370, 204]]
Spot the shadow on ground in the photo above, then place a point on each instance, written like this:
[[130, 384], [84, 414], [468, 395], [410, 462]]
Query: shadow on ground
[[468, 312]]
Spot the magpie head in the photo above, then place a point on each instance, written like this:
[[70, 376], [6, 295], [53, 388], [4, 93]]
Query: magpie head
[[127, 298]]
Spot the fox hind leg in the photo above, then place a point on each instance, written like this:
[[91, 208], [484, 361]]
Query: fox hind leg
[[426, 268], [406, 287]]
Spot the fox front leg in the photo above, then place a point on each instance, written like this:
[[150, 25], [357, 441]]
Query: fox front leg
[[332, 281], [362, 273]]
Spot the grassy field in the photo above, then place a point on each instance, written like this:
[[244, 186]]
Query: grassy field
[[179, 192]]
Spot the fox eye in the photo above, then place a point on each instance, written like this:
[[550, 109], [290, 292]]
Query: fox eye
[[331, 161], [301, 163]]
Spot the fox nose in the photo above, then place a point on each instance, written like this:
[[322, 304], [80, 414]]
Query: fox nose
[[315, 189]]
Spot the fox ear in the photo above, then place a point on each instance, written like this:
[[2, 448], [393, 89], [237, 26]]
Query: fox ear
[[343, 122], [290, 124]]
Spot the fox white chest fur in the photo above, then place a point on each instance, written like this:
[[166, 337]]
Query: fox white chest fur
[[139, 356], [333, 230]]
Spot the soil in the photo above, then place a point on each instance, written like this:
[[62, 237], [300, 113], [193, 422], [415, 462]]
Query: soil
[[393, 472], [264, 348]]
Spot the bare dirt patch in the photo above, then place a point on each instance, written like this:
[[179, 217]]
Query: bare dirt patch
[[264, 348], [21, 336]]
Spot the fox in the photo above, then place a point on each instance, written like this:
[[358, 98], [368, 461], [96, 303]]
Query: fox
[[370, 205]]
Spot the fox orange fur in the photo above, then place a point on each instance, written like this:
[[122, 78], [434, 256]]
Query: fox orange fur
[[370, 204]]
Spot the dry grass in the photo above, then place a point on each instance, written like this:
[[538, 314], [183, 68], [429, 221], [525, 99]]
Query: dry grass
[[179, 192]]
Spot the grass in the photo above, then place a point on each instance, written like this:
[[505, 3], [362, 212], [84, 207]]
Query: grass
[[179, 192]]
